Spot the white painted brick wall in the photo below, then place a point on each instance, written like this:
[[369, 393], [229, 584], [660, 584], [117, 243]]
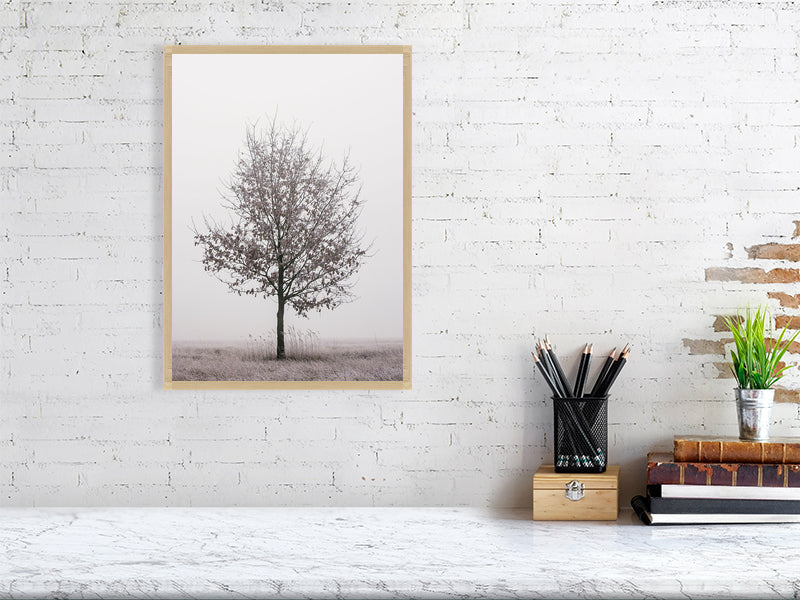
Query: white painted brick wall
[[577, 167]]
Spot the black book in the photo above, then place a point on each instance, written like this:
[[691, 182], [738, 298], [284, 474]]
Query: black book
[[732, 492], [641, 506], [710, 506]]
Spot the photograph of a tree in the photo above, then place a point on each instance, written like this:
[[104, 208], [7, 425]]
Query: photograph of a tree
[[293, 233]]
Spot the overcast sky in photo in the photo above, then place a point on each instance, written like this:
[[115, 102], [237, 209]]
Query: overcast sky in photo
[[348, 102]]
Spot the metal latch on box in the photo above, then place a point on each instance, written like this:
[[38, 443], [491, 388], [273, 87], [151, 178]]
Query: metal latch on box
[[573, 490]]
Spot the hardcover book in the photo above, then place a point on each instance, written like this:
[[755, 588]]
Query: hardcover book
[[689, 448], [721, 506], [640, 505], [663, 469], [740, 492]]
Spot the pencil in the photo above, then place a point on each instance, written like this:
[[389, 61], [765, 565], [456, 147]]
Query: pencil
[[540, 353], [614, 373], [547, 359], [564, 459], [601, 376], [583, 370], [559, 370], [577, 445], [576, 455], [606, 385], [582, 431], [578, 374], [545, 374]]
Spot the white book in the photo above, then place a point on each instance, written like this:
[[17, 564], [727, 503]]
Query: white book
[[669, 490], [640, 505], [694, 518]]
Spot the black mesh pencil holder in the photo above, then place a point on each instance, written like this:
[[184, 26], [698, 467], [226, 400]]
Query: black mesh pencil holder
[[581, 435]]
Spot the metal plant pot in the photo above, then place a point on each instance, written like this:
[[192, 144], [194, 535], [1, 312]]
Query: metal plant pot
[[754, 408]]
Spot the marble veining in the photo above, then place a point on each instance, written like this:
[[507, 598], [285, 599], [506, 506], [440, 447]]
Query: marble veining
[[383, 553]]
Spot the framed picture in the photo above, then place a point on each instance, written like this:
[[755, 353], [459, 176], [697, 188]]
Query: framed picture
[[287, 217]]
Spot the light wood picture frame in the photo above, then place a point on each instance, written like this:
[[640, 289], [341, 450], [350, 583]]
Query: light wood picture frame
[[287, 217]]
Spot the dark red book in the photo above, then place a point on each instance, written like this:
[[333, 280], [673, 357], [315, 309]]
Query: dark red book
[[662, 469]]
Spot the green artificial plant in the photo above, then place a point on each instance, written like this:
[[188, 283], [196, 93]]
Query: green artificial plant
[[755, 362]]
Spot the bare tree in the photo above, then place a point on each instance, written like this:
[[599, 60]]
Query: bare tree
[[293, 231]]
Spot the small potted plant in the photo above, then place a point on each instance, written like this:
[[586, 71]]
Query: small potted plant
[[755, 366]]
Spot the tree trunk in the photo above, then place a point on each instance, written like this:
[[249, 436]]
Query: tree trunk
[[281, 303], [281, 350]]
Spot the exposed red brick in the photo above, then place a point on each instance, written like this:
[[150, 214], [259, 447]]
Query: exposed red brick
[[786, 300], [752, 275], [775, 252], [787, 321], [784, 395], [794, 347], [719, 322], [796, 233], [705, 346], [723, 370]]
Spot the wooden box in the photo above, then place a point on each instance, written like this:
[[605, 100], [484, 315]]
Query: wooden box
[[575, 496]]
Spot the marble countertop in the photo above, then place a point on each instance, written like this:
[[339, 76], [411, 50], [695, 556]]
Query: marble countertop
[[383, 553]]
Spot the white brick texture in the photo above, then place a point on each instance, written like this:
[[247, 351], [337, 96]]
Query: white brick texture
[[577, 168]]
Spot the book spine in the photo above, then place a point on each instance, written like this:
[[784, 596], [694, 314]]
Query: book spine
[[717, 451], [730, 474]]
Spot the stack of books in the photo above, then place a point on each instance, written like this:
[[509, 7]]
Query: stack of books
[[722, 480]]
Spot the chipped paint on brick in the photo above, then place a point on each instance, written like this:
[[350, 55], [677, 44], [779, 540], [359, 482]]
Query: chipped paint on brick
[[723, 370], [793, 348], [705, 346], [786, 300], [784, 395], [719, 322], [752, 275], [775, 252], [788, 321]]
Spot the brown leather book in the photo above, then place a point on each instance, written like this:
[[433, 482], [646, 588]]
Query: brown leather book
[[695, 448], [663, 469]]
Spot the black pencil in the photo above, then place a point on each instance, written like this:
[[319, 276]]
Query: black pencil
[[572, 440], [576, 440], [581, 364], [559, 370], [569, 445], [548, 367], [604, 386], [540, 355], [614, 373], [547, 360], [570, 451], [545, 374], [602, 375], [583, 370]]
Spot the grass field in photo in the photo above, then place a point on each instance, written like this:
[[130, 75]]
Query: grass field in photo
[[307, 360]]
